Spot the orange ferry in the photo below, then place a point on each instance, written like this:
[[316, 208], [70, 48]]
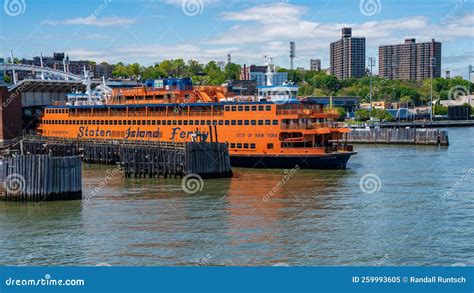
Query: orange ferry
[[272, 130]]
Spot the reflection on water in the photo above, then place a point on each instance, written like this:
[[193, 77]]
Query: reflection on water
[[420, 213]]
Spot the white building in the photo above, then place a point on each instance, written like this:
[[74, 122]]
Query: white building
[[278, 78]]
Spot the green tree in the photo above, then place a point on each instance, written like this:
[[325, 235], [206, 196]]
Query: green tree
[[232, 71], [405, 101]]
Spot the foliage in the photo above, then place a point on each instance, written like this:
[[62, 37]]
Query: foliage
[[440, 110], [205, 74], [342, 113]]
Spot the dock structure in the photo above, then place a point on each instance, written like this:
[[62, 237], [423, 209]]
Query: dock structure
[[41, 178], [141, 158], [424, 136]]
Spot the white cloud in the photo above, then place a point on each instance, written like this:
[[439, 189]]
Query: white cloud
[[279, 12], [93, 21]]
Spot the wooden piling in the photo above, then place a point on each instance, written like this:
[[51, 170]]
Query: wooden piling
[[41, 178]]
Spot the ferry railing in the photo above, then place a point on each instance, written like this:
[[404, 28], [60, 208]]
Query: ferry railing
[[309, 126], [149, 114], [305, 111]]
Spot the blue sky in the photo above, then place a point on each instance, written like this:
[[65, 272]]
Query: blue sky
[[148, 31]]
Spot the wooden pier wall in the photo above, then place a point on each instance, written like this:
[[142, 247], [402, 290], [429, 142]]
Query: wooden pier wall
[[41, 178], [425, 136], [141, 158]]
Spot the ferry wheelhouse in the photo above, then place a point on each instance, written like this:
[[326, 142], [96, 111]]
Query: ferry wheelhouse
[[271, 130]]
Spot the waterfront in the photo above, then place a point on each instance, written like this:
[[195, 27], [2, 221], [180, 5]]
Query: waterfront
[[420, 213]]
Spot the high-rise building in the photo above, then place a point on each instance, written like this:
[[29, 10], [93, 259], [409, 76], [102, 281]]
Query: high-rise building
[[410, 61], [347, 56], [315, 65]]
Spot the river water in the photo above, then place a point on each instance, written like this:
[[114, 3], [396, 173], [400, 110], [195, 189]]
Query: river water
[[394, 205]]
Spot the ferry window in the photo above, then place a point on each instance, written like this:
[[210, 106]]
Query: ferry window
[[267, 122], [247, 108], [252, 146], [191, 122], [120, 122], [214, 122], [253, 122], [196, 122], [269, 146], [240, 108], [254, 108], [101, 122], [232, 145], [239, 145], [174, 122], [232, 122], [227, 122], [115, 122], [260, 108], [246, 122], [107, 122], [239, 122], [158, 122], [234, 108], [208, 122], [185, 122], [180, 122], [246, 145], [226, 108], [139, 122], [268, 108], [275, 122], [153, 122], [168, 122], [203, 122], [221, 122], [260, 122]]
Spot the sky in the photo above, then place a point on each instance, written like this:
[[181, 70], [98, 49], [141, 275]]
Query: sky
[[148, 31]]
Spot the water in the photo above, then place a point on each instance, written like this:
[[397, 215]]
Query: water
[[416, 208]]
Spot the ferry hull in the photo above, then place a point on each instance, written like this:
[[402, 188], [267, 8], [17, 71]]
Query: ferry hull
[[327, 161]]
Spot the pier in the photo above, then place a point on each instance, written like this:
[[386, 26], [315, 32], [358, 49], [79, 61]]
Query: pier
[[425, 124], [139, 158], [423, 136], [41, 178]]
